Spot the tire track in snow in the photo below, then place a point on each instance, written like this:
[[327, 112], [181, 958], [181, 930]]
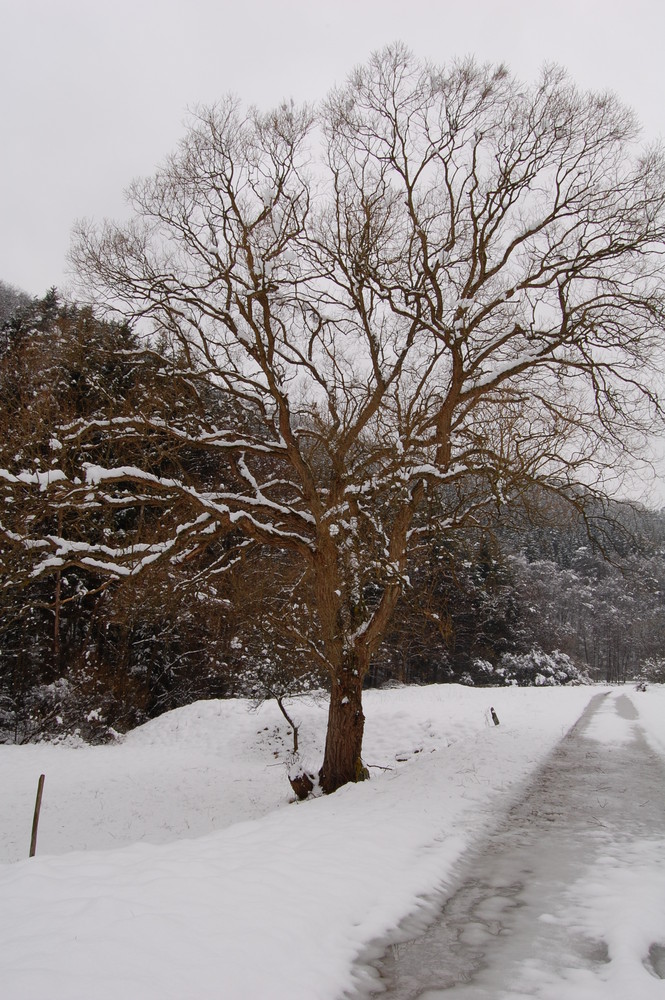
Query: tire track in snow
[[513, 923]]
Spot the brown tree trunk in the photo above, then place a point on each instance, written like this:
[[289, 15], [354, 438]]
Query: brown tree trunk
[[56, 611], [342, 760], [56, 619]]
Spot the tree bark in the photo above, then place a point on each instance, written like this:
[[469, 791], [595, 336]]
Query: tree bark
[[342, 760]]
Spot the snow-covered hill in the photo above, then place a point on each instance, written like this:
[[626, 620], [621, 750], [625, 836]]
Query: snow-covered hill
[[173, 865]]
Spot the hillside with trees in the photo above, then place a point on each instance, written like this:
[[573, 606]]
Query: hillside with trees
[[533, 599]]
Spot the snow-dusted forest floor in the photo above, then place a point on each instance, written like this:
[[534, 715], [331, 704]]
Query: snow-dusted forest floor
[[173, 865]]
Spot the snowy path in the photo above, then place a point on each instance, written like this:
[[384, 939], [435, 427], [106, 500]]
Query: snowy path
[[566, 899]]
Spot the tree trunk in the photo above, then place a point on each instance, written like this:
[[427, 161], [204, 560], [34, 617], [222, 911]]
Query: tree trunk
[[342, 761], [56, 612]]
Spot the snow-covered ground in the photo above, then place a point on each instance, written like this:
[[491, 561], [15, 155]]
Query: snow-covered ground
[[174, 866]]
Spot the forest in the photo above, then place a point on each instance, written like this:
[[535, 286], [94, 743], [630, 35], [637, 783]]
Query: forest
[[547, 596]]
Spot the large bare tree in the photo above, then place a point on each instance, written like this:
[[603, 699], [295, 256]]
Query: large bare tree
[[430, 293]]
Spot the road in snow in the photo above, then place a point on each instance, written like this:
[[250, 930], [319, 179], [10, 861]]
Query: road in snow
[[564, 898]]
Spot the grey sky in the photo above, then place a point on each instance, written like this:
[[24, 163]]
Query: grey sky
[[94, 94]]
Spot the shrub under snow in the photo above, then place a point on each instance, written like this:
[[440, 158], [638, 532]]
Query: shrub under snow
[[533, 668]]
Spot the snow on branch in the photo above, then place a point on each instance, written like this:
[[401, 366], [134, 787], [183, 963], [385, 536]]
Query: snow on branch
[[41, 479]]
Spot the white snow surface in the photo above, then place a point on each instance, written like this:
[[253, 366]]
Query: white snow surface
[[174, 865]]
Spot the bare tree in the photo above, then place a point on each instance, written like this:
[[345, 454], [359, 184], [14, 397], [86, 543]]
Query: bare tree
[[462, 297]]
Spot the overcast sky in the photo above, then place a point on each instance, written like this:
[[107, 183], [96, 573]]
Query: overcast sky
[[94, 94]]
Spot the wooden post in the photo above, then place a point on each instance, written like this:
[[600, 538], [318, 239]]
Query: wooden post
[[35, 821]]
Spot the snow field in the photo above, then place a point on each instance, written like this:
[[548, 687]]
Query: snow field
[[218, 886]]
